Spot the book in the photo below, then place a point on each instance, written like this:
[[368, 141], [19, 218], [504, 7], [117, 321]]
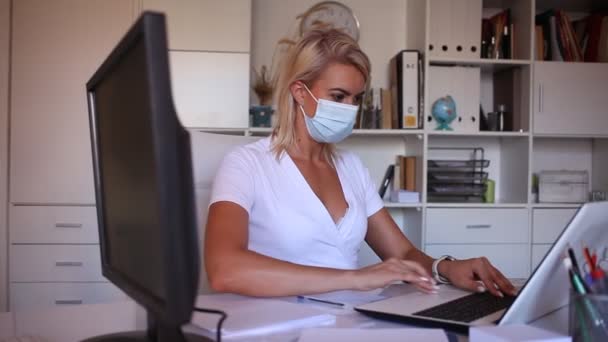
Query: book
[[540, 43], [388, 177], [387, 115], [410, 173]]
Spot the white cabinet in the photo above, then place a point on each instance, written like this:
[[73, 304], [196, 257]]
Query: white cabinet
[[37, 295], [56, 47], [511, 259], [210, 89], [547, 225], [473, 225], [4, 77], [210, 44], [570, 98], [57, 225], [55, 263], [206, 25], [500, 234]]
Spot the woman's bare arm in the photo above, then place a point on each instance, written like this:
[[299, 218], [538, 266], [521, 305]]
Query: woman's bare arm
[[231, 267]]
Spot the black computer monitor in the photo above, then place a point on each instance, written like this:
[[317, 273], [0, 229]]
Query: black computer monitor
[[143, 182]]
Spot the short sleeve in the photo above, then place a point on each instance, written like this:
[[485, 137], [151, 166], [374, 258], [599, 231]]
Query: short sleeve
[[234, 181], [371, 198], [373, 202]]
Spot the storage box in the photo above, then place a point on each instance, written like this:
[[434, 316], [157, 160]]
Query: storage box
[[563, 186]]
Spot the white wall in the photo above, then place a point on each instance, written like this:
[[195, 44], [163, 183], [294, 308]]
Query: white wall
[[382, 30], [4, 74]]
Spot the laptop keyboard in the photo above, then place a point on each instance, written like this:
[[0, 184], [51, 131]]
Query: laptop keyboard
[[469, 308]]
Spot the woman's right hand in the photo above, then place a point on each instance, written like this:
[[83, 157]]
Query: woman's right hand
[[392, 270]]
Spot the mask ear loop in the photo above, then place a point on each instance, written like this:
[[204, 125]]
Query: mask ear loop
[[314, 98], [308, 90]]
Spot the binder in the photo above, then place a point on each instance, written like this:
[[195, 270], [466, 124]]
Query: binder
[[406, 89]]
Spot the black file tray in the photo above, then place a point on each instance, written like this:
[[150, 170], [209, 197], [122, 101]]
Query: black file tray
[[457, 180], [457, 177], [462, 165]]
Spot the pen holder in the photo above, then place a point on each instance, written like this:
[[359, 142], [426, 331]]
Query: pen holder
[[588, 317]]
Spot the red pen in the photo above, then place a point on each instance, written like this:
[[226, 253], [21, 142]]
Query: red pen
[[595, 272], [590, 259]]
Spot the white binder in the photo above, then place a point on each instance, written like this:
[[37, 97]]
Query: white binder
[[411, 89]]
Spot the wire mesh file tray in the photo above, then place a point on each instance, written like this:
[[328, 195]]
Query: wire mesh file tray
[[457, 180]]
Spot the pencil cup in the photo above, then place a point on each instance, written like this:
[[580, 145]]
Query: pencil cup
[[588, 317]]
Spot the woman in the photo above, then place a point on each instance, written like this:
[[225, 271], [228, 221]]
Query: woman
[[288, 213]]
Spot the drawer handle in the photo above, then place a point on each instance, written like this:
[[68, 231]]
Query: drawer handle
[[68, 225], [68, 263], [479, 226], [68, 301]]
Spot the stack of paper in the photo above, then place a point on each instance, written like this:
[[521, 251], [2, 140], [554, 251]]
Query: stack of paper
[[253, 317], [512, 333], [364, 335]]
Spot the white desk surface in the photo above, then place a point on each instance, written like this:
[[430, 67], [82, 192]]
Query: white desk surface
[[74, 323]]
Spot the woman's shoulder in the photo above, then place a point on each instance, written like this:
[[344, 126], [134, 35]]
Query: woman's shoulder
[[349, 158], [251, 152]]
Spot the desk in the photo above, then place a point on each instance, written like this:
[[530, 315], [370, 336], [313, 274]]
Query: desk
[[74, 323]]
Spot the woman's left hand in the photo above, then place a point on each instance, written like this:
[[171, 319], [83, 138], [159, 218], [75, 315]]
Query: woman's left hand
[[476, 275]]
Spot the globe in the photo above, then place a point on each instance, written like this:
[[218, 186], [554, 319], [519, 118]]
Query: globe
[[444, 112]]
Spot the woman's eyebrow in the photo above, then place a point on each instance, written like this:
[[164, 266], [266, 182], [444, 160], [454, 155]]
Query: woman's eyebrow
[[346, 92]]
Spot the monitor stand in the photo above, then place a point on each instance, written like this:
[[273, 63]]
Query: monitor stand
[[157, 332], [142, 336]]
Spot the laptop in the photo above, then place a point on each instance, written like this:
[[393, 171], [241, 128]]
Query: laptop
[[546, 291]]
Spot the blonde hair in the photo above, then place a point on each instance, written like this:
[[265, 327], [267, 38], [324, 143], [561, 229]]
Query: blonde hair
[[305, 61]]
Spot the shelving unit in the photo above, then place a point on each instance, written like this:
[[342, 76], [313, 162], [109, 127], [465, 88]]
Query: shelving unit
[[514, 155]]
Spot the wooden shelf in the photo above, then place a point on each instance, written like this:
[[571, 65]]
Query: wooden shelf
[[556, 205], [479, 134], [476, 205], [484, 63], [388, 204], [569, 136]]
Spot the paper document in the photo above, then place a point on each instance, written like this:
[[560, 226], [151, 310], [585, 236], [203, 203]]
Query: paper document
[[254, 316], [347, 298], [515, 332], [365, 335]]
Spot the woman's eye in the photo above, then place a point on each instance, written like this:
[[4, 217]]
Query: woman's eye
[[358, 100], [338, 97]]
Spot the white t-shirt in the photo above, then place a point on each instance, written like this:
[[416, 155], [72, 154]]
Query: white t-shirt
[[287, 221]]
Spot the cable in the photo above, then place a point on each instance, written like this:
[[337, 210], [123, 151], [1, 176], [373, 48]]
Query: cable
[[218, 336]]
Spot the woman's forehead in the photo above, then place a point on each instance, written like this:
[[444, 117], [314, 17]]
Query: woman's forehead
[[340, 75]]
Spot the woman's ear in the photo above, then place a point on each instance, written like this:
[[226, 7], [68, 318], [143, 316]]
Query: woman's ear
[[298, 92]]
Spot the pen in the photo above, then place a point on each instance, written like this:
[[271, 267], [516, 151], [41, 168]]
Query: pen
[[313, 299]]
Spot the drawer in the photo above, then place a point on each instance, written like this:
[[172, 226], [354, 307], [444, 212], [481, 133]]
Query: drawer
[[41, 224], [512, 260], [547, 224], [37, 295], [477, 225], [538, 253], [33, 263]]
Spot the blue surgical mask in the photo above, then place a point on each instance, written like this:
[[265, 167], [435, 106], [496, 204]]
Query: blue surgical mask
[[333, 121]]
